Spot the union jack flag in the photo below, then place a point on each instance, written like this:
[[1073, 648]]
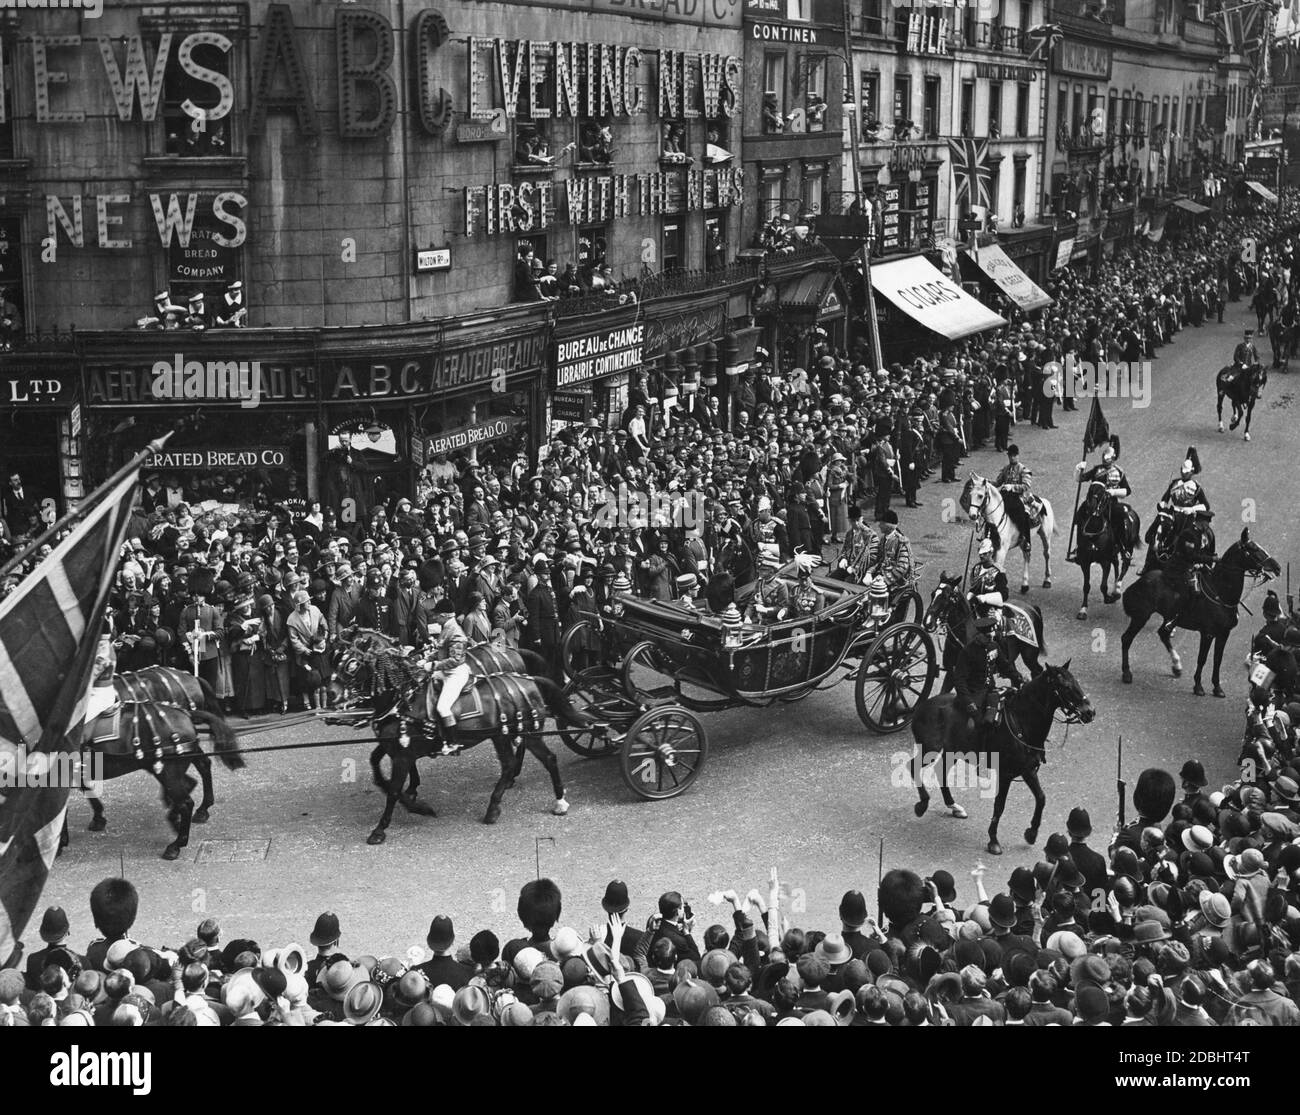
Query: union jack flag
[[49, 633], [970, 168], [1043, 38]]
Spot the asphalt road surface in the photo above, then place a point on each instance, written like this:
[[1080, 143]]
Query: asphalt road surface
[[800, 787]]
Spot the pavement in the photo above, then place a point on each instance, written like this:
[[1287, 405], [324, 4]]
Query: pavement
[[803, 787]]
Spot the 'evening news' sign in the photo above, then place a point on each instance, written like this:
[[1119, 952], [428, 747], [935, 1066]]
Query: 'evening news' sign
[[601, 354]]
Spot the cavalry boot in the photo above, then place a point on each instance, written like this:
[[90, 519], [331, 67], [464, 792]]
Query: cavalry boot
[[1167, 628]]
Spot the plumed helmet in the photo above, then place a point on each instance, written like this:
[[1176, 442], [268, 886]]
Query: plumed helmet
[[986, 547], [1153, 796], [1192, 463], [901, 896]]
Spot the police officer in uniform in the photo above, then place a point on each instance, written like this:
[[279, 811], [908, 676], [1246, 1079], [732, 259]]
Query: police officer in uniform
[[374, 607], [1112, 477]]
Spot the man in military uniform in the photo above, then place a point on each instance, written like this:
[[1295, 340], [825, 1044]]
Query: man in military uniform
[[895, 561], [374, 607], [688, 591], [449, 664], [808, 598], [1015, 479], [768, 530], [860, 550], [771, 600], [981, 661], [1185, 499], [1112, 477], [1245, 354], [986, 577]]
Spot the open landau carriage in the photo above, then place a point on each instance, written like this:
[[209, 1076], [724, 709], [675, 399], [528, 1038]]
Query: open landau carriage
[[650, 654]]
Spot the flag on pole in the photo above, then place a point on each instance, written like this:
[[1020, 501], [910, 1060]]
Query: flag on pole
[[1041, 39], [1097, 432], [971, 171], [50, 628]]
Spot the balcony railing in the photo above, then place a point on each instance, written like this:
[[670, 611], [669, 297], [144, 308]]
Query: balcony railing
[[1083, 138], [664, 285]]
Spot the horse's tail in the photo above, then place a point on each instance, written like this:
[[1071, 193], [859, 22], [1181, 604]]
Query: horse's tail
[[211, 704], [225, 744], [533, 662], [561, 707]]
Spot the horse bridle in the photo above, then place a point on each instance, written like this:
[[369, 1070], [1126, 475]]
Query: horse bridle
[[1071, 715]]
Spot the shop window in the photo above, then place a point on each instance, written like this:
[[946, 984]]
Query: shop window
[[773, 92], [187, 135], [995, 109], [715, 241], [672, 244], [814, 104], [873, 19], [1022, 109], [902, 106], [967, 109], [930, 114]]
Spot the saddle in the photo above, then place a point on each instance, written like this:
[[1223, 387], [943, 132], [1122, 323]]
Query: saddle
[[501, 699]]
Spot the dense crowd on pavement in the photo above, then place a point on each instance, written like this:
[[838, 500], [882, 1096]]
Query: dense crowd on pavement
[[1190, 918], [255, 599]]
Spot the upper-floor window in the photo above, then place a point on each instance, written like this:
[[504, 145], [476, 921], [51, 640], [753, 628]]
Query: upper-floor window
[[1022, 109], [1026, 15], [7, 95], [967, 108], [814, 106], [930, 117], [187, 100], [774, 92], [868, 98], [995, 109], [873, 18], [902, 101]]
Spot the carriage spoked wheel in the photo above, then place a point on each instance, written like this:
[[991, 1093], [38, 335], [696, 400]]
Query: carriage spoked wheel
[[897, 673], [911, 602], [595, 692], [663, 753], [647, 674], [573, 642]]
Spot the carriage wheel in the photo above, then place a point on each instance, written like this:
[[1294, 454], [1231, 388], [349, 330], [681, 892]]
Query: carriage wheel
[[897, 674], [663, 753], [647, 674], [569, 645], [596, 693], [911, 602]]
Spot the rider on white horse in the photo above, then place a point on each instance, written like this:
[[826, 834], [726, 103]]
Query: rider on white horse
[[1017, 479]]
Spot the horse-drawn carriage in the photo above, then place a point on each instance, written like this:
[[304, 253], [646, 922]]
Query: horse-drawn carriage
[[648, 654]]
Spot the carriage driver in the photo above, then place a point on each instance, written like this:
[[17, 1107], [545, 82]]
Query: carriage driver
[[1112, 477], [103, 693], [449, 665], [771, 600], [981, 661]]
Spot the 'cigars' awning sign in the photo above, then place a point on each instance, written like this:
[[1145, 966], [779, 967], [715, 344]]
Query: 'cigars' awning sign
[[583, 359]]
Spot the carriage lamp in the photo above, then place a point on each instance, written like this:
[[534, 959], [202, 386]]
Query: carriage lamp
[[878, 598], [731, 625]]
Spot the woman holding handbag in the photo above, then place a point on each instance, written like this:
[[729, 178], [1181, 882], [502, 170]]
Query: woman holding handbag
[[244, 636], [273, 649], [307, 641]]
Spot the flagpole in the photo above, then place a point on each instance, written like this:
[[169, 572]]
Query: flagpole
[[87, 504]]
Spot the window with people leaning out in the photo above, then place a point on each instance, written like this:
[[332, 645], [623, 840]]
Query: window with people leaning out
[[190, 134], [549, 268]]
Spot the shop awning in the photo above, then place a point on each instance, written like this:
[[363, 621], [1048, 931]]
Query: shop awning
[[1014, 283], [1263, 191], [930, 298], [807, 291], [1189, 206]]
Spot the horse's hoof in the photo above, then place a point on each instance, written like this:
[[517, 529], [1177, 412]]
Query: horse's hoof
[[200, 817], [1024, 590], [1218, 691], [97, 824], [1082, 613], [1198, 689], [560, 808], [1110, 597], [1031, 837], [377, 837], [492, 816], [958, 812], [920, 807], [1178, 672], [995, 849], [1047, 583], [171, 852], [1127, 677], [1246, 438], [1220, 427]]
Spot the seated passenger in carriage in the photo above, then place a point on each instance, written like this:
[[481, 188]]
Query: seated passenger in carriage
[[771, 600], [808, 598], [688, 594]]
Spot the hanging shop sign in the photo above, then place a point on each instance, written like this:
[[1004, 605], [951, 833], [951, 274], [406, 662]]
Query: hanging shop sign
[[206, 254], [689, 327], [258, 456], [571, 406], [590, 357], [1081, 59], [467, 437]]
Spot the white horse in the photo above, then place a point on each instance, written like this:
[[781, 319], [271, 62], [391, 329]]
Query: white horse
[[982, 500]]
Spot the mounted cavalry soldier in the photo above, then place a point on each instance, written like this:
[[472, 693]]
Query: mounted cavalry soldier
[[1110, 476], [1191, 553], [1184, 499], [1245, 355], [986, 577], [1015, 479], [771, 600], [981, 661]]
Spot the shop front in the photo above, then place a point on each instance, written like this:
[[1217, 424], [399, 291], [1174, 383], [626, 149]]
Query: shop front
[[807, 310], [1029, 248], [40, 429], [920, 303]]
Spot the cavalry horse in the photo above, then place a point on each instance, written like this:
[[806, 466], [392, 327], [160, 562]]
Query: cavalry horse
[[502, 703], [1097, 545], [153, 728], [950, 611], [1015, 747], [1212, 613], [1006, 522], [1240, 386]]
